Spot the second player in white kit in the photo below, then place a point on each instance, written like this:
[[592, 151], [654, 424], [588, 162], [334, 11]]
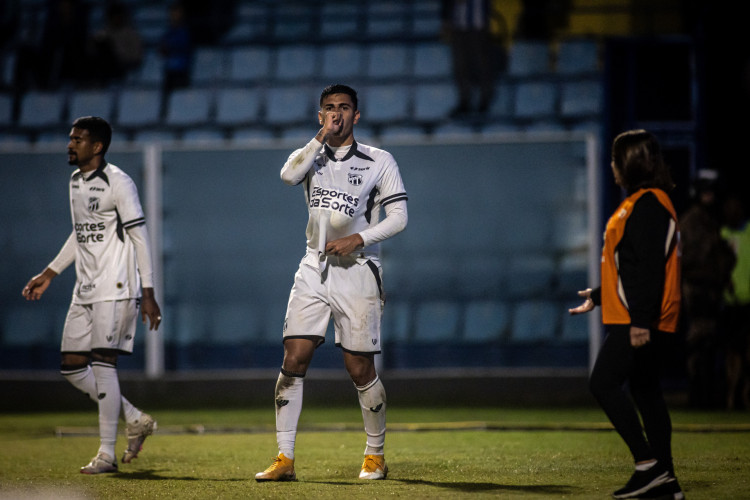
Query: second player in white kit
[[346, 185]]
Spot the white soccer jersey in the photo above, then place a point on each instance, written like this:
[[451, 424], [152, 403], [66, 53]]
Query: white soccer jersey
[[345, 196], [103, 205]]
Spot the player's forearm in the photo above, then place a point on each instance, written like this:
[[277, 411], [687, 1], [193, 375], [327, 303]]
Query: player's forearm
[[299, 163], [139, 236], [65, 257], [396, 218]]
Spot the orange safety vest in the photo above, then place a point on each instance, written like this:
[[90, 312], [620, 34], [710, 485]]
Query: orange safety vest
[[613, 303]]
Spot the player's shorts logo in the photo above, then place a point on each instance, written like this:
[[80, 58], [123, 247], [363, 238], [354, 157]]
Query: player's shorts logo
[[93, 204], [355, 179]]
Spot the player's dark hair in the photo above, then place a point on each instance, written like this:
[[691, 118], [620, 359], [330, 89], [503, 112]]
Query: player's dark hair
[[98, 128], [637, 156], [338, 88]]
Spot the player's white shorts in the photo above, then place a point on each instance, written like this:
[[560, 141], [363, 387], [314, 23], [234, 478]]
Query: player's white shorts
[[101, 325], [350, 291]]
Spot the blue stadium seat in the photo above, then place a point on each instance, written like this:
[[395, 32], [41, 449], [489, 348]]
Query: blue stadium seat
[[437, 321], [294, 22], [11, 140], [209, 66], [432, 60], [386, 19], [535, 320], [188, 107], [251, 24], [485, 320], [340, 20], [41, 109], [578, 57], [290, 105], [388, 60], [249, 64], [53, 139], [535, 100], [528, 58], [342, 61], [426, 18], [237, 106], [139, 108], [296, 62], [433, 102], [385, 103], [91, 103], [581, 99]]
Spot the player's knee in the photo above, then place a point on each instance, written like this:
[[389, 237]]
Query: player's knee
[[108, 356]]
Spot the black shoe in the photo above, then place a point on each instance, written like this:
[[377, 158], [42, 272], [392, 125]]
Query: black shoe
[[668, 491], [642, 481]]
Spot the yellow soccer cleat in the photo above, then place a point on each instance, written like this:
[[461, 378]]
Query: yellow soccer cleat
[[282, 469], [374, 467]]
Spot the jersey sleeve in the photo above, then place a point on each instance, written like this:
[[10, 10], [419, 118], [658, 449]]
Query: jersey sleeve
[[391, 186], [127, 202], [299, 163], [66, 256]]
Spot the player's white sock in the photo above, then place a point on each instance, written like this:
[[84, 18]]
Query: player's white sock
[[288, 397], [82, 378], [129, 412], [108, 393], [372, 401]]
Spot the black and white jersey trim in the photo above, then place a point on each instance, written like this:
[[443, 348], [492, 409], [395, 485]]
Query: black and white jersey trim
[[392, 198], [134, 222]]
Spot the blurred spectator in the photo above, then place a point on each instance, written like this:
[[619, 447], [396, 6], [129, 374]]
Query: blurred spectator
[[707, 262], [477, 57], [117, 48], [736, 325], [59, 55], [177, 49]]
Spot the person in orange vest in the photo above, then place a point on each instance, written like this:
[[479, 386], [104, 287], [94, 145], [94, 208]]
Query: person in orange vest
[[640, 304]]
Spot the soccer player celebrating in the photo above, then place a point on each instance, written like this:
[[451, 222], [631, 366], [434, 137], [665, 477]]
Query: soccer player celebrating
[[110, 247], [345, 184]]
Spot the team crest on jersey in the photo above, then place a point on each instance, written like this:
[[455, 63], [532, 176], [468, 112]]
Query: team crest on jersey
[[355, 179], [93, 204]]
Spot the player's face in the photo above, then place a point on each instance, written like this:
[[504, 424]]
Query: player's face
[[81, 148], [340, 109]]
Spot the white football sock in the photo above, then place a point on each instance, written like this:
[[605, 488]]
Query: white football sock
[[108, 393], [372, 401], [129, 412], [82, 379], [288, 398]]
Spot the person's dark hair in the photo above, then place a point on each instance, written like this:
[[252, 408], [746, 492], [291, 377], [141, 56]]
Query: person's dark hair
[[338, 88], [637, 156], [98, 128]]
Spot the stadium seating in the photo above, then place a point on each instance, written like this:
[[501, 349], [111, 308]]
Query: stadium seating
[[91, 103], [535, 320], [386, 61], [139, 108], [237, 106], [249, 64], [437, 321], [342, 62], [578, 57], [528, 58], [41, 109], [188, 107], [485, 320], [386, 103], [433, 102], [296, 62], [209, 66]]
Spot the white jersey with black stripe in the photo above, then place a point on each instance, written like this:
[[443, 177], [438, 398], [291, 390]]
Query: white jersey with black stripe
[[103, 204], [344, 196]]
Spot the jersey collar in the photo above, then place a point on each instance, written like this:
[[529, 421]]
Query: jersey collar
[[352, 152]]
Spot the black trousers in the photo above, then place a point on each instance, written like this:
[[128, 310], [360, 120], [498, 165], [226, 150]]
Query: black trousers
[[619, 366]]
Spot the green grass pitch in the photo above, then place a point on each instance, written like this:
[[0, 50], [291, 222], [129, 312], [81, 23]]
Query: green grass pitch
[[431, 452]]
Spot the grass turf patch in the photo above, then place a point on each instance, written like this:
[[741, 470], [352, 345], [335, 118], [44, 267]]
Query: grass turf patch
[[429, 455]]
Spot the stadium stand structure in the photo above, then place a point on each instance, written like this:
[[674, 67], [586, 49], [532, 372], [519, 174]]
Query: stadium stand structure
[[381, 48]]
